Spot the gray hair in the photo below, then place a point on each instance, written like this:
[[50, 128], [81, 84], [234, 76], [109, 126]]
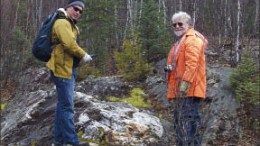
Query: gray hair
[[183, 16]]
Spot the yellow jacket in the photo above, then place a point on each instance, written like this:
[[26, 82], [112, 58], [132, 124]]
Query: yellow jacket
[[61, 61]]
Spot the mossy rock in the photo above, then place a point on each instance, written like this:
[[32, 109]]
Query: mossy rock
[[136, 99]]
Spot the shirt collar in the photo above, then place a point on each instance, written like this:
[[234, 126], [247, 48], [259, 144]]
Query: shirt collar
[[190, 32]]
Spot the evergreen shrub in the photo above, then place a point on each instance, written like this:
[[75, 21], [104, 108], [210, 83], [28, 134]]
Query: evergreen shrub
[[83, 72], [245, 80], [131, 62]]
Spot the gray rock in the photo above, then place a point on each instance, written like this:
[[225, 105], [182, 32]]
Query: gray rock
[[29, 119]]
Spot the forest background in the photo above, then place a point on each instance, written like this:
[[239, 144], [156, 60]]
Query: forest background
[[107, 25], [129, 36]]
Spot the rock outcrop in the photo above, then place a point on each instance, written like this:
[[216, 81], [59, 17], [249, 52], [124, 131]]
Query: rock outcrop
[[29, 118]]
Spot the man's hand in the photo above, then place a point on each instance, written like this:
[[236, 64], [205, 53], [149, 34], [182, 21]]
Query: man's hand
[[87, 58], [184, 88]]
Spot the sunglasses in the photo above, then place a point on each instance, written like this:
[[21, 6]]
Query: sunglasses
[[77, 10], [179, 24]]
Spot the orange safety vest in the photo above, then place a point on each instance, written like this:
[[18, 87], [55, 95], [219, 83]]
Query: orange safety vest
[[189, 65]]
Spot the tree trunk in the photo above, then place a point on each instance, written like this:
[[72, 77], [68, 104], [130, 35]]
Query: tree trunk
[[256, 23], [229, 21], [180, 5], [16, 14], [225, 24], [130, 8], [27, 28], [194, 12], [140, 12], [116, 24], [128, 18], [40, 11], [237, 45], [164, 12]]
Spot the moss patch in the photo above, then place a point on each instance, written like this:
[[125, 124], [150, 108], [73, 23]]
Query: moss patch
[[101, 141], [34, 143], [80, 133], [3, 105], [136, 99]]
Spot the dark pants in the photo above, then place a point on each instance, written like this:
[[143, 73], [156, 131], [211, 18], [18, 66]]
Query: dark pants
[[187, 121]]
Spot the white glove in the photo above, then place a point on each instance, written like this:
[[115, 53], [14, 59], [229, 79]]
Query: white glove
[[87, 58]]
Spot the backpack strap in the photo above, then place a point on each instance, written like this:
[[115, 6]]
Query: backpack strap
[[60, 15]]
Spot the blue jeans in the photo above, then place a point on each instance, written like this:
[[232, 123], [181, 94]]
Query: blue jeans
[[64, 128], [187, 121]]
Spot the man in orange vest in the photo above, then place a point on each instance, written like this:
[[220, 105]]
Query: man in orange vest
[[186, 79]]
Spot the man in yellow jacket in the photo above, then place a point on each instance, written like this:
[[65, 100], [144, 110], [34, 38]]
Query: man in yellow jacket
[[186, 79], [63, 62]]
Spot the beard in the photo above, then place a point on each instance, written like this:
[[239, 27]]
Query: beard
[[179, 32]]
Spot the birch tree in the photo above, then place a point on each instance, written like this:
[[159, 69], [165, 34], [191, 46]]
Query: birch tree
[[129, 18], [225, 22], [237, 44], [140, 13], [162, 3], [194, 11]]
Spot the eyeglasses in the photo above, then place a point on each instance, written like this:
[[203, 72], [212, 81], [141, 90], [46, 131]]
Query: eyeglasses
[[179, 24], [77, 10]]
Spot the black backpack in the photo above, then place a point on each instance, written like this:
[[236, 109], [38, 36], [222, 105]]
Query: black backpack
[[42, 46]]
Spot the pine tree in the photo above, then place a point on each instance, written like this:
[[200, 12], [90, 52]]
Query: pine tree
[[154, 34], [97, 31], [245, 79]]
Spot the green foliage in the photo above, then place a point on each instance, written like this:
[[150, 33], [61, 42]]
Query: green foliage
[[245, 80], [97, 25], [34, 143], [20, 52], [3, 105], [154, 35], [100, 140], [80, 134], [136, 99], [84, 71], [131, 62]]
